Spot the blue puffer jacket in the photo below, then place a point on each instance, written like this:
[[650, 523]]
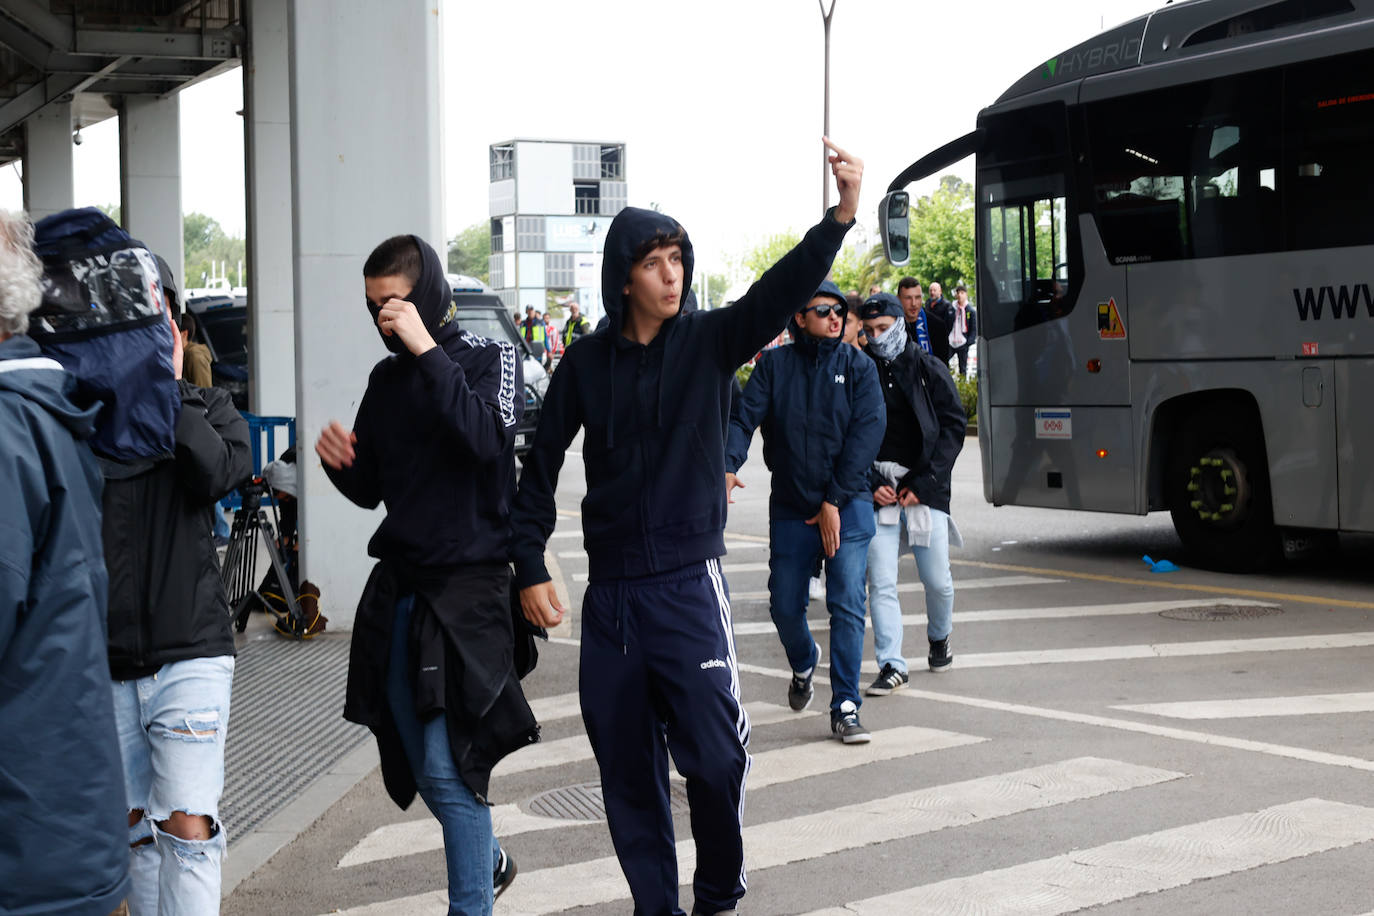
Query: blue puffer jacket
[[64, 849], [823, 419]]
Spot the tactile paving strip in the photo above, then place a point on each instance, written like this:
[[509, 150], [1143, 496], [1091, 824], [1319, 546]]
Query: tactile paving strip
[[286, 724]]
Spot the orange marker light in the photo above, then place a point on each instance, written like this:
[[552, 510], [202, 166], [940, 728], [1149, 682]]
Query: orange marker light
[[1094, 365], [1102, 453]]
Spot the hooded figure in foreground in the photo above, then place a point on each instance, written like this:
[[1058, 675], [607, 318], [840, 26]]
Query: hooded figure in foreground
[[652, 390], [431, 668]]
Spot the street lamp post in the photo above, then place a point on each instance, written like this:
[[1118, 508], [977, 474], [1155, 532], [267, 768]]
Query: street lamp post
[[825, 154]]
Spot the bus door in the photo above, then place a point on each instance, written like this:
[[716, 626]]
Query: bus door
[[1054, 373]]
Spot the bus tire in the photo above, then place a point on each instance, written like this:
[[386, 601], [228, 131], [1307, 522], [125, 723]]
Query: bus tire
[[1218, 491]]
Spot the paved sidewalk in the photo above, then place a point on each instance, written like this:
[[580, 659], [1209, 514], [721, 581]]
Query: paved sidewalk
[[290, 754]]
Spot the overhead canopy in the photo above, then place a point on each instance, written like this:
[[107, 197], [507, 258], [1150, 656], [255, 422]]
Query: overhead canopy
[[94, 51], [942, 158]]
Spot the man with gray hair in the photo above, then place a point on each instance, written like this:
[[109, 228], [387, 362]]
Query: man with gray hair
[[60, 764]]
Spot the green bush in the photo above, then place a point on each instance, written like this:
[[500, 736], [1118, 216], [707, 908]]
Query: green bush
[[968, 395]]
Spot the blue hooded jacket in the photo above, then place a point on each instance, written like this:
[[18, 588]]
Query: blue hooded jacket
[[655, 414], [59, 758], [821, 409]]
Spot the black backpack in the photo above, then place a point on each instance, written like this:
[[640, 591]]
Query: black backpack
[[104, 319]]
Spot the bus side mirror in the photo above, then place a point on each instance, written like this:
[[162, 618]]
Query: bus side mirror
[[896, 228]]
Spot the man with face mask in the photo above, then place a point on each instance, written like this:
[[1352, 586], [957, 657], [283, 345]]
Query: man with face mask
[[910, 483], [430, 672], [822, 416]]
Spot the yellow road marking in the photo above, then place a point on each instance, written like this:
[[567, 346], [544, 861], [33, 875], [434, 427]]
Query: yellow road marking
[[1177, 586]]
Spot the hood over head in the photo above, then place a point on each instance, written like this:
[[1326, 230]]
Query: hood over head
[[25, 370], [830, 291], [432, 298], [631, 228], [880, 304]]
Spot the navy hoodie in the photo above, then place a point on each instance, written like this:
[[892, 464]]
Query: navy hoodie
[[655, 414], [823, 419], [436, 438], [61, 782]]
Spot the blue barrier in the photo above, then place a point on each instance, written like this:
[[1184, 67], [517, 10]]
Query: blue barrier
[[262, 435]]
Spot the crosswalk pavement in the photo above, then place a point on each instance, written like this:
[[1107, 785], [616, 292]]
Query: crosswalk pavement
[[1194, 848]]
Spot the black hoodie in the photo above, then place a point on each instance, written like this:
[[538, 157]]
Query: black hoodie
[[436, 438], [654, 414]]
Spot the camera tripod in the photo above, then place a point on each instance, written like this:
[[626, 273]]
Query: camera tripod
[[239, 573]]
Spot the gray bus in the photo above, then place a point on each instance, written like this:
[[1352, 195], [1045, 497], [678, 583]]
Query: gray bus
[[1175, 240]]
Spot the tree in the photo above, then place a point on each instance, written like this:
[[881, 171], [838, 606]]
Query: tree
[[716, 287], [767, 253], [468, 251], [209, 250], [942, 236]]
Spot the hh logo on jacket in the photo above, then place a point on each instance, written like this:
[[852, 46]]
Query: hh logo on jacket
[[839, 380]]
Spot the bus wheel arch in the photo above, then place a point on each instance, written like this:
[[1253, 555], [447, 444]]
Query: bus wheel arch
[[1216, 482]]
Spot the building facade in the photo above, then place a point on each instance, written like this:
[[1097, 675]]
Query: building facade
[[551, 202]]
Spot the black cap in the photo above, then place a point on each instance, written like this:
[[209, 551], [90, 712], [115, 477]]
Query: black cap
[[880, 304], [169, 283]]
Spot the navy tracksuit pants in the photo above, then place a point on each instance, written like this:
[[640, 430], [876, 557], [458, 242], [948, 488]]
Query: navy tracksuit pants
[[658, 676]]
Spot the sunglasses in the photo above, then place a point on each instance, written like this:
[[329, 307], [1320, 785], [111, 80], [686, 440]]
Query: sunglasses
[[823, 311]]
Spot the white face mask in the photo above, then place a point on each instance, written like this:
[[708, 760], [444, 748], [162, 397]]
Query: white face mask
[[891, 343]]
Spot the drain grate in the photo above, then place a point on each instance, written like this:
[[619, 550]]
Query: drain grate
[[286, 726], [583, 802], [1222, 612]]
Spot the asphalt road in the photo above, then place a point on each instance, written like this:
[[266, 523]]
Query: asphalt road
[[1108, 737]]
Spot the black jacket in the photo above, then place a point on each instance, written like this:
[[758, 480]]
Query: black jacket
[[436, 439], [461, 664], [655, 415], [166, 601], [930, 392], [822, 414]]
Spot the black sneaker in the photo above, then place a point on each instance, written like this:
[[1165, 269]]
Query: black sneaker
[[845, 724], [800, 691], [890, 679], [504, 874], [939, 657]]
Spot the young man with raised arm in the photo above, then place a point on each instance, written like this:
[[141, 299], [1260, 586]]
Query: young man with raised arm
[[652, 391]]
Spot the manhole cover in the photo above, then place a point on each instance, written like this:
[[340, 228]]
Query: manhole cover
[[583, 802], [1220, 612]]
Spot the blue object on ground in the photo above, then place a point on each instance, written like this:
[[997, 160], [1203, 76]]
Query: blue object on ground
[[1159, 566]]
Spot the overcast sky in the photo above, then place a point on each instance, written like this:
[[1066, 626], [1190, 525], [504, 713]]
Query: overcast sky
[[718, 101]]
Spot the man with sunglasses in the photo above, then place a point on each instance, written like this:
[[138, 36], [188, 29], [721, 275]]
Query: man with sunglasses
[[821, 410]]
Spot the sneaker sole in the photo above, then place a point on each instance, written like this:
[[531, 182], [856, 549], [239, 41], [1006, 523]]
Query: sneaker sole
[[510, 879], [856, 739], [941, 668], [883, 691]]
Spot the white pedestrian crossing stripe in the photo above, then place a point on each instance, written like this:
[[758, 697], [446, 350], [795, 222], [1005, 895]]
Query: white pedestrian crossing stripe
[[1141, 865], [1256, 707], [1030, 613], [560, 706], [600, 881], [787, 764], [1156, 650], [960, 585]]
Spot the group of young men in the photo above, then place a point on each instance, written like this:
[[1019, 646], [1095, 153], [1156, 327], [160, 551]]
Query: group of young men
[[942, 328], [116, 656], [853, 438]]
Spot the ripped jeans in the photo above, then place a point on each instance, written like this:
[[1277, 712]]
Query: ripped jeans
[[172, 726]]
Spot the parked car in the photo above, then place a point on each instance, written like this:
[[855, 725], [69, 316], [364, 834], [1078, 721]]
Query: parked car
[[224, 329], [483, 313]]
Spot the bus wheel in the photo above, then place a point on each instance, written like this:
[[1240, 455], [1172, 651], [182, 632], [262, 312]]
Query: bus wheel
[[1218, 489]]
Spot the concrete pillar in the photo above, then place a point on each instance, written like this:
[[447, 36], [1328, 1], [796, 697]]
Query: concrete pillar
[[366, 158], [267, 164], [48, 161], [150, 176]]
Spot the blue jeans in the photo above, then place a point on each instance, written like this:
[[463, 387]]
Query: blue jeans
[[470, 849], [792, 546], [932, 565], [172, 726]]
